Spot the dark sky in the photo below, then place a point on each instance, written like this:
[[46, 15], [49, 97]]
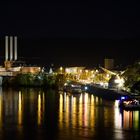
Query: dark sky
[[73, 33]]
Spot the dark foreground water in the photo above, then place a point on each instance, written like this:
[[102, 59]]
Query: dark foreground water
[[35, 114]]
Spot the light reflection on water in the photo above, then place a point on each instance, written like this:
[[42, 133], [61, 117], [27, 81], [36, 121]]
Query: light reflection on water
[[75, 116]]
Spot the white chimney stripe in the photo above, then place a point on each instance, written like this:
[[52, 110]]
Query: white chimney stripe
[[11, 48], [15, 48], [6, 48]]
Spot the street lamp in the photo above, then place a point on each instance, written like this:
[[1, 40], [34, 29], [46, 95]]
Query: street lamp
[[61, 69]]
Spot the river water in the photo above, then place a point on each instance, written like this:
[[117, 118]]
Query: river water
[[47, 114]]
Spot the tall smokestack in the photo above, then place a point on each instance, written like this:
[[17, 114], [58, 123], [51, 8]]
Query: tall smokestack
[[15, 48], [11, 48], [6, 48]]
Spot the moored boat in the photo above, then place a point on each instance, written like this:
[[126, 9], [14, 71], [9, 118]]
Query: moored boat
[[129, 104], [73, 87]]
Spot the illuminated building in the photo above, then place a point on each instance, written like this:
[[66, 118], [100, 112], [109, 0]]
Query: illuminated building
[[74, 70], [32, 70]]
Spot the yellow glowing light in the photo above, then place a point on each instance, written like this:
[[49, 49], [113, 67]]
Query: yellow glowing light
[[86, 109], [96, 100], [74, 120], [107, 75], [75, 70], [96, 71], [61, 68], [67, 70], [61, 110], [80, 71], [19, 108], [92, 100], [39, 109], [67, 110], [93, 75]]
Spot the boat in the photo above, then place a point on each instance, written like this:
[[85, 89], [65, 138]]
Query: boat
[[73, 87], [129, 104]]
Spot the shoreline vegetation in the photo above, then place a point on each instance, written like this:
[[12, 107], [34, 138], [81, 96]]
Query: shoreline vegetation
[[34, 80]]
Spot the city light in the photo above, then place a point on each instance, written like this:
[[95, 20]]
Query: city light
[[120, 82], [86, 88]]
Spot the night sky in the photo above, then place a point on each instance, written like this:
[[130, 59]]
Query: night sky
[[73, 33]]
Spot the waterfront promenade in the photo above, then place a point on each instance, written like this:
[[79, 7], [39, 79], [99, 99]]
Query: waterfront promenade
[[112, 94]]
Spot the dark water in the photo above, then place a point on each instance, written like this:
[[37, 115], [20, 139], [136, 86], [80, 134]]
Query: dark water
[[36, 114]]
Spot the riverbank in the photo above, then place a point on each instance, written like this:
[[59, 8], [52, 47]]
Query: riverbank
[[106, 93], [33, 80]]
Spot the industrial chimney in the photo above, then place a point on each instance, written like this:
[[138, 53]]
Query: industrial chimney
[[6, 48], [15, 48], [11, 48]]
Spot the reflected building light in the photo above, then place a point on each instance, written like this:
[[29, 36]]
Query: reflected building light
[[100, 101], [81, 97], [92, 100], [116, 105], [61, 103], [67, 111], [67, 100], [72, 101], [80, 109], [39, 109], [64, 101], [74, 112], [96, 100], [86, 109], [92, 111], [86, 98], [119, 135], [127, 119], [19, 108], [61, 110], [0, 109], [74, 104], [43, 105], [118, 118], [136, 119]]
